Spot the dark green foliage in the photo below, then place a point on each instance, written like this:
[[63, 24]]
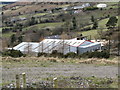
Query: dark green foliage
[[56, 54], [45, 10], [95, 25], [91, 8], [20, 39], [74, 23], [112, 22], [13, 53], [13, 39], [96, 54], [92, 19], [41, 54], [5, 30], [70, 55], [32, 21]]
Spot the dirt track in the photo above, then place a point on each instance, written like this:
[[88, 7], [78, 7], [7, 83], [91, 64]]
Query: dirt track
[[36, 73]]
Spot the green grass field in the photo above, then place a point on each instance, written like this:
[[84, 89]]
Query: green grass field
[[45, 25], [40, 14], [94, 33], [7, 34]]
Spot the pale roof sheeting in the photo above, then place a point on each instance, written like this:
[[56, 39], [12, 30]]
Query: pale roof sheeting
[[90, 45], [49, 45], [24, 45]]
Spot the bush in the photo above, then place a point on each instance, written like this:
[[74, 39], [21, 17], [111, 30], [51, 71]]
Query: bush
[[13, 53], [70, 55], [41, 54], [96, 54], [86, 29], [91, 8], [56, 54]]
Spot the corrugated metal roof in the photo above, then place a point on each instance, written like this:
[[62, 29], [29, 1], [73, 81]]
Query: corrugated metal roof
[[48, 45]]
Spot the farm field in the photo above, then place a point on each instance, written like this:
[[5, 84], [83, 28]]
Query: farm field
[[7, 34], [45, 25], [94, 33], [46, 68]]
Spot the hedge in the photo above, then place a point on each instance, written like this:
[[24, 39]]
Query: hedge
[[13, 53]]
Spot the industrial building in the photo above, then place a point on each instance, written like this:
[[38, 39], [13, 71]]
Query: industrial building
[[60, 45]]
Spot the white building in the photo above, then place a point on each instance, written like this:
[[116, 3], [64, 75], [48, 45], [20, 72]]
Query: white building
[[101, 5], [77, 7], [62, 46]]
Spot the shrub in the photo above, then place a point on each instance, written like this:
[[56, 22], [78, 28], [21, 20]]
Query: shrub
[[86, 29], [56, 54], [96, 54], [91, 8], [70, 55], [41, 54], [13, 53]]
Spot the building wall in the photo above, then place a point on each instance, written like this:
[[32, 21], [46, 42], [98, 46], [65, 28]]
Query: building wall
[[69, 49], [89, 49]]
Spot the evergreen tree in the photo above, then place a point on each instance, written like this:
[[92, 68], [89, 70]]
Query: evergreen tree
[[13, 39], [95, 25], [74, 23], [111, 22], [20, 39], [92, 19]]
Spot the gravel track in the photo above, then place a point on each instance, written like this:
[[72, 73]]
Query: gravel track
[[34, 74]]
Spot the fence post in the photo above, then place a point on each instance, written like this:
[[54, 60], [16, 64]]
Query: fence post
[[17, 81], [24, 80], [55, 83]]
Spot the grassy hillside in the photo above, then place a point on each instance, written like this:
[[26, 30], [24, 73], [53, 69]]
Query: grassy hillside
[[94, 33], [44, 25]]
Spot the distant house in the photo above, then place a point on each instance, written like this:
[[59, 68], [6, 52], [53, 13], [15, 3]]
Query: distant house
[[17, 19], [14, 20], [77, 7], [86, 5], [101, 5], [53, 37], [81, 7], [77, 11], [65, 8], [22, 18]]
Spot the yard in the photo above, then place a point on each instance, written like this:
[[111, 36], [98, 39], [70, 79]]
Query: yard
[[68, 71]]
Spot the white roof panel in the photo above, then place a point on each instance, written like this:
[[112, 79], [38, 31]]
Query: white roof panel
[[49, 44]]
